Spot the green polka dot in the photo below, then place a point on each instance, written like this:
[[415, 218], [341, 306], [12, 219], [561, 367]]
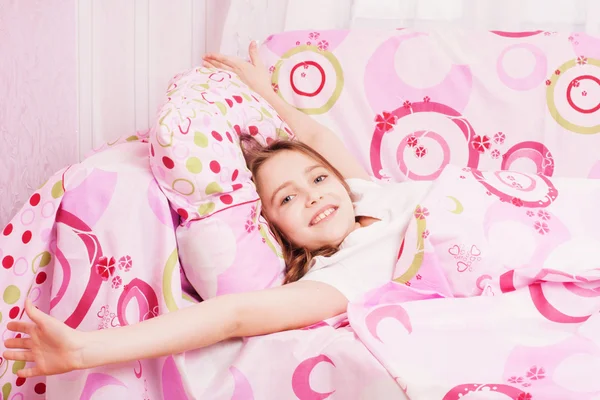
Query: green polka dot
[[132, 138], [0, 317], [6, 390], [206, 208], [282, 134], [266, 112], [248, 98], [222, 108], [17, 366], [194, 165], [57, 190], [213, 188], [200, 139], [11, 294], [46, 257]]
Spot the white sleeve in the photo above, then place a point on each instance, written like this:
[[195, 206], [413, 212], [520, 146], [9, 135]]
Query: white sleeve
[[341, 278]]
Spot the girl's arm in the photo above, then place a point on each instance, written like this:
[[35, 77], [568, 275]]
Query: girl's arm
[[56, 348], [306, 129]]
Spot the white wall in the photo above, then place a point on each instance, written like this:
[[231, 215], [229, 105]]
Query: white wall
[[127, 52]]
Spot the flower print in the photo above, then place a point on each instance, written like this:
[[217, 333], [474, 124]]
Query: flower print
[[271, 68], [495, 154], [426, 99], [105, 267], [421, 212], [481, 143], [412, 141], [525, 396], [547, 33], [308, 43], [543, 214], [314, 35], [548, 82], [407, 104], [530, 213], [499, 138], [275, 87], [117, 282], [466, 169], [323, 45], [557, 72], [541, 227], [584, 93], [386, 121], [249, 226], [125, 263], [419, 277], [571, 38], [425, 234], [526, 384], [253, 212], [517, 185], [517, 202], [297, 43], [575, 83], [420, 152], [510, 178], [536, 373], [407, 283], [515, 379], [582, 60]]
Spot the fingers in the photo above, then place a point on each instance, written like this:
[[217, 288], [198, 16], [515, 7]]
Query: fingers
[[229, 62], [253, 52], [36, 315], [20, 326], [25, 355], [18, 343], [29, 372], [216, 64]]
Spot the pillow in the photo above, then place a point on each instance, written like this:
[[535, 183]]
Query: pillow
[[224, 244]]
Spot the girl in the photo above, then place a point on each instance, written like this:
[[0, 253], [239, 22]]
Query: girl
[[340, 234]]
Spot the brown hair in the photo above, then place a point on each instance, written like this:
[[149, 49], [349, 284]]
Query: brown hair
[[297, 259]]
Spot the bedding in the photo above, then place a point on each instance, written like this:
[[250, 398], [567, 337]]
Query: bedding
[[505, 260]]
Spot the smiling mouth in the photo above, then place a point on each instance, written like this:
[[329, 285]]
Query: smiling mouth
[[323, 216]]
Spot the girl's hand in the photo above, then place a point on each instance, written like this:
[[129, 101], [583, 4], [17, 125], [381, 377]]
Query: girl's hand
[[253, 73], [52, 346]]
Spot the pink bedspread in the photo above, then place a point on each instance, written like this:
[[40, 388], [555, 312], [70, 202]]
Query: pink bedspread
[[96, 247]]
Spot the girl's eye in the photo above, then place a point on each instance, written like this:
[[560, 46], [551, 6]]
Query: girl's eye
[[286, 199], [320, 178]]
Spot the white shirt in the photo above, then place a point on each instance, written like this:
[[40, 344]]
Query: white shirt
[[368, 255]]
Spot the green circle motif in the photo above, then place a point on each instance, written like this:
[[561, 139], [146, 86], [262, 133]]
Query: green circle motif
[[179, 191], [200, 139], [11, 294], [586, 130], [194, 165], [338, 72]]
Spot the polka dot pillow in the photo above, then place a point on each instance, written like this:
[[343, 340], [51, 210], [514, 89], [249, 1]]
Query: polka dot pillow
[[224, 244]]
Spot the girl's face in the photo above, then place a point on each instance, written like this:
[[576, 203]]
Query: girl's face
[[306, 201]]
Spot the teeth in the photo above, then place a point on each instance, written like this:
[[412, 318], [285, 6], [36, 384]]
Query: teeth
[[323, 215]]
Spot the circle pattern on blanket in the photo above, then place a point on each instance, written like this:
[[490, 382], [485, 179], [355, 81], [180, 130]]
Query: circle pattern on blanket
[[405, 149], [309, 77], [535, 152], [512, 62], [573, 95], [522, 190]]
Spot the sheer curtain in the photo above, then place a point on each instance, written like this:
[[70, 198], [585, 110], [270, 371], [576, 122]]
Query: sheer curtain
[[255, 19]]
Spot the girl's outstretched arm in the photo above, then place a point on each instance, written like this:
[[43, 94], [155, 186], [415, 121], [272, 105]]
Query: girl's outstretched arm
[[55, 348], [306, 129]]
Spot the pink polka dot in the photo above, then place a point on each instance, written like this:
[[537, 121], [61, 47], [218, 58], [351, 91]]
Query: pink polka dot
[[253, 130], [215, 167], [26, 238], [168, 162], [20, 381], [237, 186], [7, 230], [217, 136], [182, 213], [234, 175], [229, 137], [226, 199], [35, 199], [151, 150], [8, 261]]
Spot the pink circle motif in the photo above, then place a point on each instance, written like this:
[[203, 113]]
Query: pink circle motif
[[430, 106], [575, 83], [305, 64], [532, 80], [516, 34], [548, 199], [535, 151], [507, 182], [405, 142]]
